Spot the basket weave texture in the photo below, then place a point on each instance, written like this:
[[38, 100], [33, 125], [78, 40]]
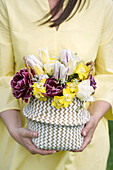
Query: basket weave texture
[[58, 129]]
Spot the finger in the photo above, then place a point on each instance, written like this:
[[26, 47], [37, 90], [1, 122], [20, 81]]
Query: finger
[[45, 152], [27, 133], [87, 140], [87, 128], [34, 150], [85, 143]]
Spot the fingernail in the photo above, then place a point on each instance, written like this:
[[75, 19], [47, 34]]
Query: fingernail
[[84, 133], [54, 151], [34, 134]]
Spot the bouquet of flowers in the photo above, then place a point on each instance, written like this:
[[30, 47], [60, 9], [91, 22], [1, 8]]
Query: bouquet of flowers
[[57, 87]]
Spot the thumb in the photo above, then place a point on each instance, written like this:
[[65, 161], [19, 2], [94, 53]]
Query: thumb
[[87, 128]]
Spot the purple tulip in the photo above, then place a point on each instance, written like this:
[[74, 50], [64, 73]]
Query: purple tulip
[[21, 84], [92, 82], [53, 87]]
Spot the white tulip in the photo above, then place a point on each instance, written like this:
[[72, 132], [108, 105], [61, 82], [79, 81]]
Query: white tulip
[[35, 60], [35, 64], [69, 60], [60, 71], [49, 67], [72, 64], [65, 56], [43, 54]]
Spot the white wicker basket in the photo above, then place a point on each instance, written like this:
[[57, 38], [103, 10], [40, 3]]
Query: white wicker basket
[[58, 129]]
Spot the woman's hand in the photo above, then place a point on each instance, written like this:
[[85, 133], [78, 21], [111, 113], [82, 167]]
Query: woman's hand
[[88, 132], [12, 120], [97, 111], [23, 136]]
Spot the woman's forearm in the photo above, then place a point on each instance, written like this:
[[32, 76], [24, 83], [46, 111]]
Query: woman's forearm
[[98, 109], [11, 119]]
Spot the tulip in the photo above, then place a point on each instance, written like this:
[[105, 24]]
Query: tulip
[[69, 60], [49, 67], [35, 64], [65, 56], [43, 54], [60, 72], [53, 87]]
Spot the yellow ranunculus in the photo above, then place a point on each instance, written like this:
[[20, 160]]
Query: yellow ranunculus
[[82, 71]]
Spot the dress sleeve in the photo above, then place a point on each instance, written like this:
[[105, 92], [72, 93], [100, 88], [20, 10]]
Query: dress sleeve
[[7, 101], [104, 61]]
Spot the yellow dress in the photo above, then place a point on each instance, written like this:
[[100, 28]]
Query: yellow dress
[[90, 34]]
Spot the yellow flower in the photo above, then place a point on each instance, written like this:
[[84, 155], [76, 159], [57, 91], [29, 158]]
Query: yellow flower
[[72, 86], [68, 97], [42, 98], [56, 102], [43, 81], [52, 58], [82, 71], [63, 101], [38, 89]]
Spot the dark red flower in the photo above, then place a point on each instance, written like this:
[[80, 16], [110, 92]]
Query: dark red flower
[[53, 87], [21, 84]]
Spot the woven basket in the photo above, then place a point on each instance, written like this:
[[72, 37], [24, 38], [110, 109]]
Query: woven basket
[[58, 129]]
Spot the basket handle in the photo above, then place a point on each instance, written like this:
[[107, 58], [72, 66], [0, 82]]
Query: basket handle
[[91, 64]]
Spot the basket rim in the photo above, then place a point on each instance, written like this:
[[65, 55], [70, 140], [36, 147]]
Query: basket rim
[[55, 116]]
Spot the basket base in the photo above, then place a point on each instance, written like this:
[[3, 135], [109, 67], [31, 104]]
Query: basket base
[[56, 137]]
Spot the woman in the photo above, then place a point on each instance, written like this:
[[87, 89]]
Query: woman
[[90, 34]]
